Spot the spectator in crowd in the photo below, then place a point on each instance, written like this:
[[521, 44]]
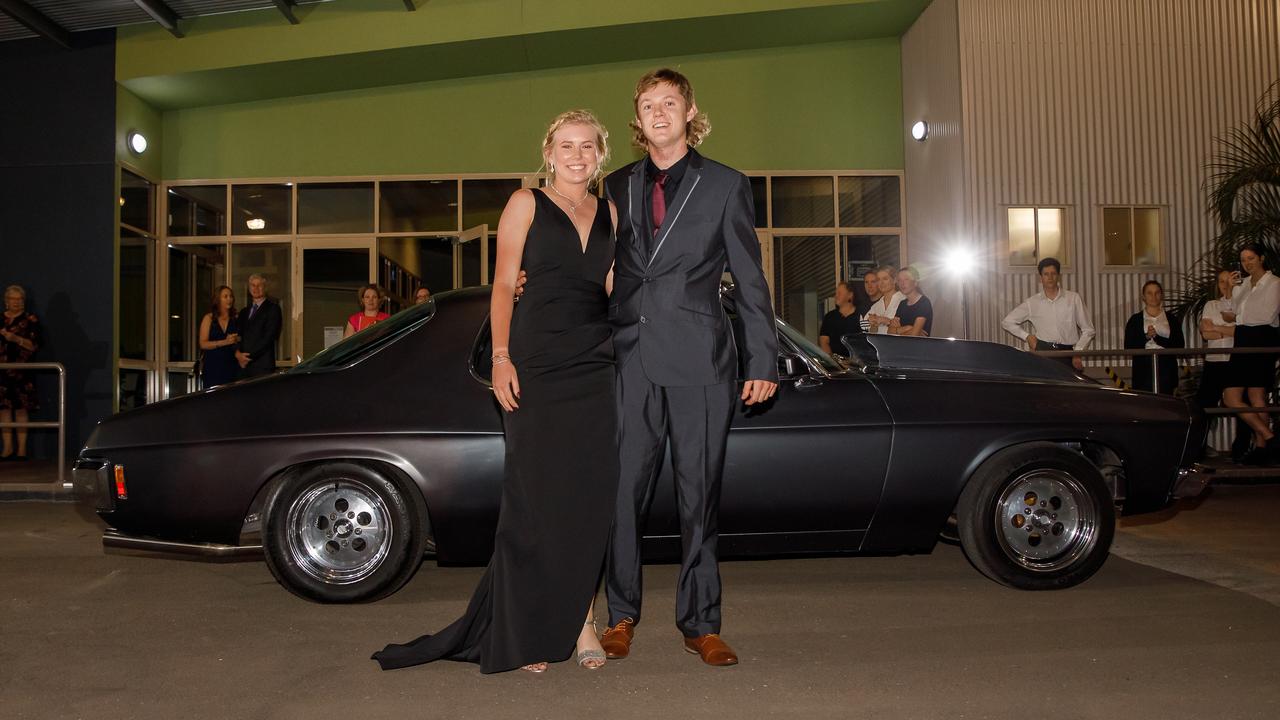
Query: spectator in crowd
[[1058, 317], [1251, 375], [915, 312], [1152, 328], [1220, 333], [259, 324], [843, 320], [421, 295], [371, 298], [20, 337], [218, 338], [869, 295], [885, 309]]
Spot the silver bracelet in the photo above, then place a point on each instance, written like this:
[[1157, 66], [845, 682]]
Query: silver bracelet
[[501, 359]]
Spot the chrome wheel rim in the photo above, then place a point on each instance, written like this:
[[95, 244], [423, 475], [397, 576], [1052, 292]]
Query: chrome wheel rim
[[339, 531], [1046, 520]]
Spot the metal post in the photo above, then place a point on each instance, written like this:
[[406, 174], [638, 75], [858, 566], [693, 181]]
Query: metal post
[[1155, 373], [62, 428], [964, 306], [60, 425]]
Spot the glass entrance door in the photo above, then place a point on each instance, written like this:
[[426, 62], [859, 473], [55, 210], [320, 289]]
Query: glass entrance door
[[330, 274]]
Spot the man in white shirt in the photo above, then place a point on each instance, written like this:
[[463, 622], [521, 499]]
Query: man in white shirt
[[1058, 317]]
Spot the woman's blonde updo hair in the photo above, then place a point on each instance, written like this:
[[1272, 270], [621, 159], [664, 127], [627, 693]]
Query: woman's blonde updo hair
[[578, 117], [696, 130]]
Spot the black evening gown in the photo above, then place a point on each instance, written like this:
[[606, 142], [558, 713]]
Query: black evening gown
[[561, 472]]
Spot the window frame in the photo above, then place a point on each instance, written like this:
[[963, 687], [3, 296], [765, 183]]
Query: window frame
[[1006, 267], [1162, 215]]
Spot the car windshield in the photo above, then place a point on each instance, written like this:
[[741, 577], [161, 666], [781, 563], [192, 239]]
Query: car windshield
[[370, 339], [811, 349]]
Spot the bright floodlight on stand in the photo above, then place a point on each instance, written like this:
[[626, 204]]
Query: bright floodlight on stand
[[960, 261]]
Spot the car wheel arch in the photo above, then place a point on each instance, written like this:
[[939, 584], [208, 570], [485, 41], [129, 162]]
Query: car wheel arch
[[251, 529], [1105, 458]]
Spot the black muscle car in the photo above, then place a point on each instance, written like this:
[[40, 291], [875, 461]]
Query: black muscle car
[[347, 469]]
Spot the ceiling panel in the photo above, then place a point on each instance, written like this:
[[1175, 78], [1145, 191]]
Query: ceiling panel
[[77, 15]]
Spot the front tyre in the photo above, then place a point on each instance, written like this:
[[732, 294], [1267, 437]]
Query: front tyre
[[1036, 517], [342, 532]]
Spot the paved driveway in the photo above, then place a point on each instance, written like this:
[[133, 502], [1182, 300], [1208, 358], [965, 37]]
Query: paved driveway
[[93, 635]]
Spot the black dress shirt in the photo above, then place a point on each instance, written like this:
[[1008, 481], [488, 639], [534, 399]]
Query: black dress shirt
[[675, 174]]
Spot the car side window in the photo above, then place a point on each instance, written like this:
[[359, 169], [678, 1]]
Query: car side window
[[481, 352]]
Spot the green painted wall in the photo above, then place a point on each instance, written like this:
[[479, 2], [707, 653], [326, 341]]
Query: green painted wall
[[357, 26], [826, 106], [134, 114]]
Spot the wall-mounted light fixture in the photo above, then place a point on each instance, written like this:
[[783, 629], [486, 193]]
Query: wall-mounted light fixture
[[920, 130], [137, 142], [255, 223]]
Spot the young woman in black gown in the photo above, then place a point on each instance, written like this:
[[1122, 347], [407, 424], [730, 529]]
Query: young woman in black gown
[[553, 376]]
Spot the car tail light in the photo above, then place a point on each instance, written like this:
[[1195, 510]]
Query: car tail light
[[121, 492]]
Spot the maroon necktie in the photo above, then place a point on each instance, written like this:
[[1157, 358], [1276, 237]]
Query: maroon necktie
[[659, 201]]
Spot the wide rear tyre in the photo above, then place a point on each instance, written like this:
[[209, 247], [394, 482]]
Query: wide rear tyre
[[1037, 517], [343, 532]]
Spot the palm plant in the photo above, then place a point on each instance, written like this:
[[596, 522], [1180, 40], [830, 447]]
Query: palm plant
[[1244, 200]]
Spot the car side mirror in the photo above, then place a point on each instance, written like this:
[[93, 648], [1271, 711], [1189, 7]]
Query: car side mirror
[[790, 366]]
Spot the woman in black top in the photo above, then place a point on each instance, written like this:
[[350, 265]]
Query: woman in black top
[[1152, 327], [915, 312]]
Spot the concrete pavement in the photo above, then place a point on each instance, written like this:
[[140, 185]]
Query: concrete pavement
[[93, 635]]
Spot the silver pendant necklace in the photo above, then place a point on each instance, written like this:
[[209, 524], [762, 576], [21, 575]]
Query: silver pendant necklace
[[573, 207]]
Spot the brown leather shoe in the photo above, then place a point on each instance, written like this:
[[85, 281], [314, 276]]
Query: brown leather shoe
[[616, 641], [712, 650]]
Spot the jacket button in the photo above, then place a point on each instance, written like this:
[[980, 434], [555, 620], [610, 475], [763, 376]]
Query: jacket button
[[643, 320], [645, 279]]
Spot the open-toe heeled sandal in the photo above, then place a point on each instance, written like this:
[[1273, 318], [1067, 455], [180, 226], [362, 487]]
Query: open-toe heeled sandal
[[535, 667], [591, 659]]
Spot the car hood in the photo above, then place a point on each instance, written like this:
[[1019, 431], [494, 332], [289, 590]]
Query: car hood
[[913, 355]]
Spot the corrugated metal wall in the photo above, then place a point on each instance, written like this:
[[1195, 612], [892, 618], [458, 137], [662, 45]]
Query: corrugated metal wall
[[1083, 103]]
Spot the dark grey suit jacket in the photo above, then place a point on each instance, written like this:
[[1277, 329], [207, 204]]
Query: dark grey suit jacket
[[258, 337], [666, 307]]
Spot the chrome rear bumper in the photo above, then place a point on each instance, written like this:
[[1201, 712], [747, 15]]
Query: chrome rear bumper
[[116, 539], [1192, 481]]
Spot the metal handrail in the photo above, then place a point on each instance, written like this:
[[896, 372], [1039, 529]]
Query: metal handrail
[[61, 424], [1159, 351], [1175, 352]]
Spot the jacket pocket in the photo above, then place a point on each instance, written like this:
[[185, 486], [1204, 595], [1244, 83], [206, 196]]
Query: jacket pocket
[[700, 316]]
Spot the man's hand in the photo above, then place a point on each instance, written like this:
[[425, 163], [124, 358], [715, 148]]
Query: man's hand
[[242, 358], [1031, 342], [1077, 362], [521, 279], [757, 391]]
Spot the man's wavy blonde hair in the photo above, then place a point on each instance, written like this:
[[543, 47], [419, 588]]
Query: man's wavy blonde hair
[[577, 117], [696, 130]]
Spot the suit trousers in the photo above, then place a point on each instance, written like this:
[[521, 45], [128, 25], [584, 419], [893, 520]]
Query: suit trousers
[[695, 422]]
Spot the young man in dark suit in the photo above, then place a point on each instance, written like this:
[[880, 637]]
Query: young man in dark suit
[[260, 322], [683, 219]]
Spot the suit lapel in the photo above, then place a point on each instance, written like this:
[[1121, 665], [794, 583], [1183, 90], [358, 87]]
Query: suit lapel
[[635, 202], [692, 175]]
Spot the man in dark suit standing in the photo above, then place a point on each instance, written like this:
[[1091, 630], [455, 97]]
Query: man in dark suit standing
[[682, 221], [260, 324]]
